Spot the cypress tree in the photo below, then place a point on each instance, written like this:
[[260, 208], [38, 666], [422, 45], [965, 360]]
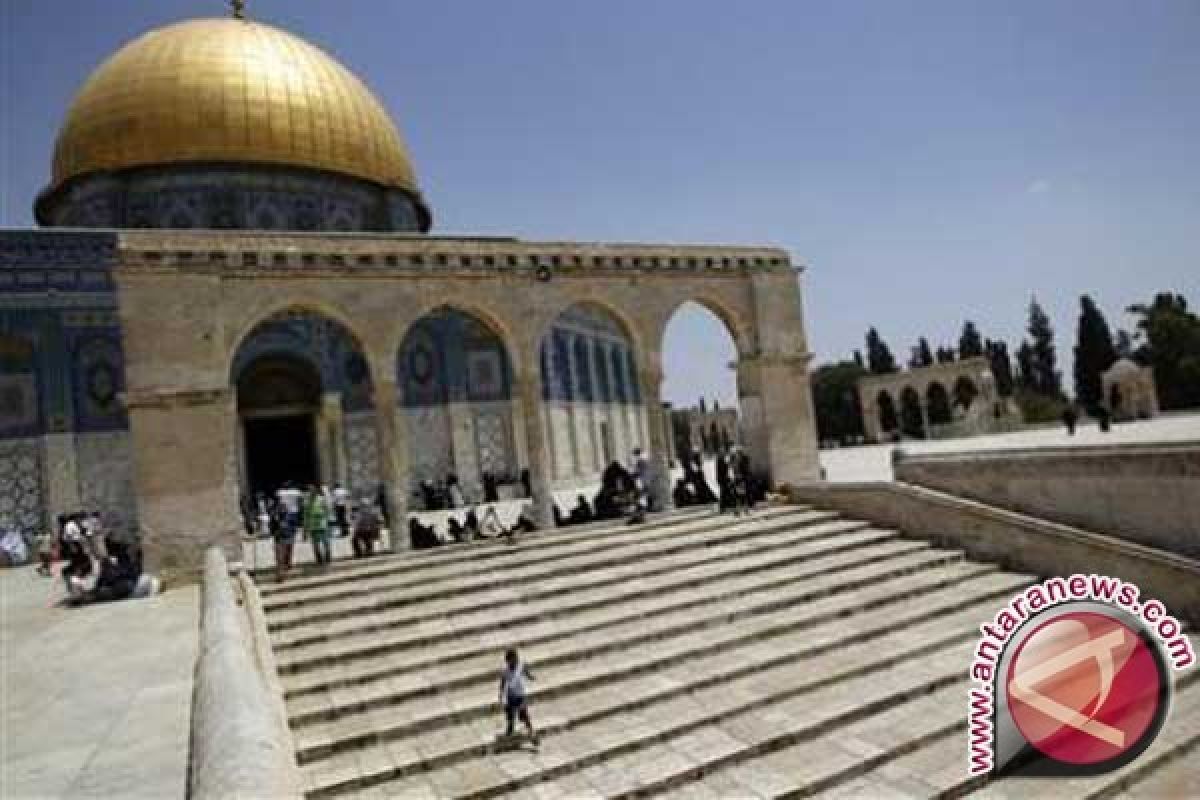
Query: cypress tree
[[1094, 353], [970, 343], [879, 357], [1045, 377], [1001, 366]]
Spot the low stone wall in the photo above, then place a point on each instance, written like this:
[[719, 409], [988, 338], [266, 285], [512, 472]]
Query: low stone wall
[[1017, 541], [241, 746], [1148, 494]]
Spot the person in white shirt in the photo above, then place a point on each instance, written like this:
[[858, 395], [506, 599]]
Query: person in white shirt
[[514, 694], [290, 500]]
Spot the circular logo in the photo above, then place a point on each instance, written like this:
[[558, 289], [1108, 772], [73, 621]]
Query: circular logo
[[1086, 688]]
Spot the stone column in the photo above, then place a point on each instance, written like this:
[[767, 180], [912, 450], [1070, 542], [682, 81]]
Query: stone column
[[334, 421], [528, 391], [780, 424], [393, 462], [185, 475], [651, 379], [923, 404]]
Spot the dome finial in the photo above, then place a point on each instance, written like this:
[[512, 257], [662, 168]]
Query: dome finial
[[239, 8]]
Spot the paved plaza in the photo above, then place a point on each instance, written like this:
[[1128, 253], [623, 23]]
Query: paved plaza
[[96, 701], [874, 462]]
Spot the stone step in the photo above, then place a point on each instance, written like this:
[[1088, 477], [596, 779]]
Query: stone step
[[637, 577], [1170, 758], [722, 724], [826, 763], [772, 664], [887, 559], [546, 544], [871, 762], [739, 651], [432, 666], [563, 576]]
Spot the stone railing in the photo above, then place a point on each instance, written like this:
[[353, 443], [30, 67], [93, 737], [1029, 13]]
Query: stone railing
[[1014, 540], [241, 745]]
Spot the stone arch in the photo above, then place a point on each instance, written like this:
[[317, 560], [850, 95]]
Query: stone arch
[[330, 430], [455, 379], [499, 326], [735, 326], [889, 418], [937, 400], [911, 419], [965, 392], [591, 362], [256, 318], [637, 336]]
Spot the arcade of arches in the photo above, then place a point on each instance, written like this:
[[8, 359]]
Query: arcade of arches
[[957, 397], [379, 376]]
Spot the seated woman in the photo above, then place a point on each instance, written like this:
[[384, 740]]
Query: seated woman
[[456, 530], [582, 512], [422, 536]]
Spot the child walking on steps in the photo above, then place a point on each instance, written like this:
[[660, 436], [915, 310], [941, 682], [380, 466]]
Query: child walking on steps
[[514, 695]]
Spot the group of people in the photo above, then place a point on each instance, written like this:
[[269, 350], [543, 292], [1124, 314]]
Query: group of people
[[448, 493], [471, 527], [737, 489], [318, 514], [97, 565]]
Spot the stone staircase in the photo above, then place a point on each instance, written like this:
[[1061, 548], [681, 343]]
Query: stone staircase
[[791, 653]]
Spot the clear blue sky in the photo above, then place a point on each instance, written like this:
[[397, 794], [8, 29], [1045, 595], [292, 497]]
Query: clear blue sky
[[929, 162]]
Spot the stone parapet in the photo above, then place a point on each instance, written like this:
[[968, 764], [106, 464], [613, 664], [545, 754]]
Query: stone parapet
[[241, 746], [1144, 493], [1016, 541]]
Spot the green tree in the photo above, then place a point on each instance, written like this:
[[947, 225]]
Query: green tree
[[835, 400], [1001, 366], [1044, 377], [1094, 353], [1025, 366], [879, 356], [970, 343], [1170, 336], [945, 355]]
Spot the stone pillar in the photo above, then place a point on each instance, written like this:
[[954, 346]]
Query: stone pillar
[[393, 462], [672, 455], [528, 391], [333, 421], [660, 475], [780, 423], [184, 474], [923, 404]]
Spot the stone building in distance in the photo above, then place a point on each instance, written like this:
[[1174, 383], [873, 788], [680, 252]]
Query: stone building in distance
[[234, 285]]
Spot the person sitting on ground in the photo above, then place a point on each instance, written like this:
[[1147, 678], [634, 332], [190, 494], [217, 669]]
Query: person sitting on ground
[[682, 494], [560, 519], [524, 524], [423, 536], [490, 526], [471, 524], [366, 529], [455, 530], [704, 493], [582, 513]]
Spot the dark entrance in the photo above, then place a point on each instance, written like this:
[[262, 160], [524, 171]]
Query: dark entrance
[[279, 450], [278, 397]]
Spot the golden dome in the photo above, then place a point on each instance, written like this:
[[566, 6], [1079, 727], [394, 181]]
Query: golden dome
[[228, 90]]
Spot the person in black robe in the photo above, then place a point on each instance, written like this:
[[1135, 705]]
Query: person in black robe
[[724, 482], [704, 493], [490, 493], [422, 536], [582, 513]]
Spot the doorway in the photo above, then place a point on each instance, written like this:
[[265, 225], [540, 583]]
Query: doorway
[[280, 449]]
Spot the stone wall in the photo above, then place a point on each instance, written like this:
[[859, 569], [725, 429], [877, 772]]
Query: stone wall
[[1148, 494], [104, 466], [1016, 541]]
